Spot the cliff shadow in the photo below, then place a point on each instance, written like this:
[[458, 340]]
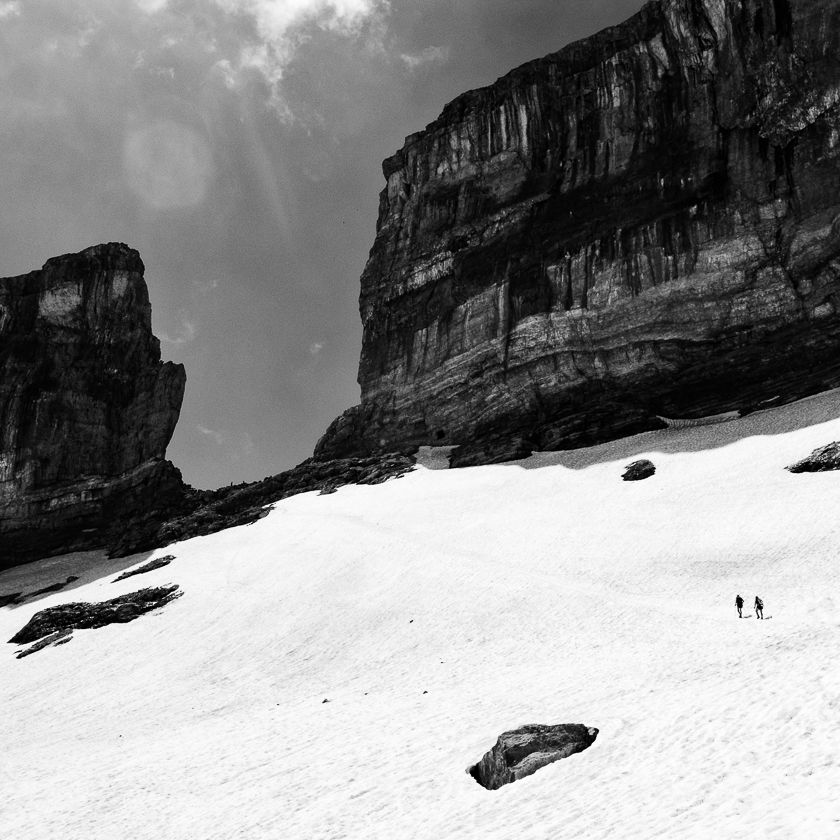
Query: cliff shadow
[[26, 585], [811, 411]]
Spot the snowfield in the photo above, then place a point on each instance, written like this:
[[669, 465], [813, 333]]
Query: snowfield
[[435, 612]]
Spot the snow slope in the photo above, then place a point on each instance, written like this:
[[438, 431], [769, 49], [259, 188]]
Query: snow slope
[[544, 591]]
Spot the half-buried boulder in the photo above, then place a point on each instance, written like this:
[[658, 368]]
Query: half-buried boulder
[[820, 460], [523, 751], [639, 470], [84, 615]]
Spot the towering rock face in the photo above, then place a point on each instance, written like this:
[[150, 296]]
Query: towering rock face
[[644, 223], [87, 408]]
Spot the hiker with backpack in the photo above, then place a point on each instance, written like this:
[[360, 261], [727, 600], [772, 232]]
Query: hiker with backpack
[[739, 603], [759, 607]]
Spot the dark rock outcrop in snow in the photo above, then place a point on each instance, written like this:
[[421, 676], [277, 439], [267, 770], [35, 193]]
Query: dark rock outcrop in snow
[[820, 460], [644, 223], [83, 615], [639, 470], [86, 404], [523, 751], [157, 563], [60, 637]]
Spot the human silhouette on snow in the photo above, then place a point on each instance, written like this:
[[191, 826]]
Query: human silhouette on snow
[[759, 607], [739, 603]]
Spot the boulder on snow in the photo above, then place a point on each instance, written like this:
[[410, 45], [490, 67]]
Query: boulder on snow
[[820, 460], [639, 470], [84, 615], [521, 752]]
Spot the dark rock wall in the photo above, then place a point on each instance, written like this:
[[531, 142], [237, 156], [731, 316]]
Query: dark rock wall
[[646, 222], [87, 408]]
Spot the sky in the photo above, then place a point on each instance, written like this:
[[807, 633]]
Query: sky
[[237, 144]]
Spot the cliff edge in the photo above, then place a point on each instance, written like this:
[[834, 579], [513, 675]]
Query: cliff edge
[[643, 224], [87, 407]]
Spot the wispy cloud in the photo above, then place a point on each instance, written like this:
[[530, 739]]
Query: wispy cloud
[[281, 26], [316, 347], [218, 437], [185, 334], [9, 8], [430, 55]]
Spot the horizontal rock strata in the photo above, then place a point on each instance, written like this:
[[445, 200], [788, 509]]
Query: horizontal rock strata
[[87, 407], [645, 224]]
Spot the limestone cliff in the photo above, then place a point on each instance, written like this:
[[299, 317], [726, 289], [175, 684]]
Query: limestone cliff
[[644, 223], [87, 408]]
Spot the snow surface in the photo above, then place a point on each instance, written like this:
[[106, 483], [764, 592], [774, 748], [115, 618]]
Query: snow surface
[[545, 591]]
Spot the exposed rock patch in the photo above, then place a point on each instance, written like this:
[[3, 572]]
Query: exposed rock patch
[[820, 460], [639, 470], [521, 752], [637, 226], [81, 615], [60, 637], [157, 563]]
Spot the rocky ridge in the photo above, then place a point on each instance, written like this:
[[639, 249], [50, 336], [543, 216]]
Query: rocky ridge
[[643, 224]]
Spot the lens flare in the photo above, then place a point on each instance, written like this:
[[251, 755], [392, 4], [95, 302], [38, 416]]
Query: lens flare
[[167, 165]]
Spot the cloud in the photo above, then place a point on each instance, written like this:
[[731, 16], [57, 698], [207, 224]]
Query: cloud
[[218, 437], [9, 8], [280, 27], [185, 335], [151, 6], [430, 55], [316, 347]]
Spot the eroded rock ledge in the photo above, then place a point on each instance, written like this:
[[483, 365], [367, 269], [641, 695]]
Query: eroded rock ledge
[[87, 407], [644, 224]]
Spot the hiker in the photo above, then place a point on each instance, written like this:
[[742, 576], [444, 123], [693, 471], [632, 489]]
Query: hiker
[[739, 603], [759, 607]]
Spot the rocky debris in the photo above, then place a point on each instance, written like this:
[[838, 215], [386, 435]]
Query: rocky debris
[[637, 225], [521, 752], [820, 460], [60, 637], [205, 512], [638, 470], [157, 563], [88, 406], [81, 615]]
